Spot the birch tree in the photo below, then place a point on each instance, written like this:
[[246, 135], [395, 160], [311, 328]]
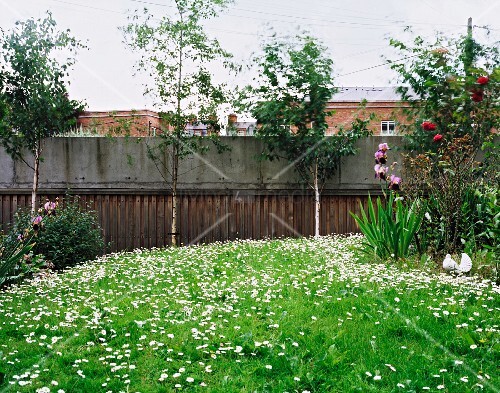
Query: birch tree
[[289, 101], [35, 59], [177, 53]]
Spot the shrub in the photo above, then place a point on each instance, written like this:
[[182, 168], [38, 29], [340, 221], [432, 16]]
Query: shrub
[[460, 205], [390, 230], [67, 235]]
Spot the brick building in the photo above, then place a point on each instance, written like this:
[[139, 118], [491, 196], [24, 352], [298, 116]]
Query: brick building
[[239, 128], [384, 102], [134, 122]]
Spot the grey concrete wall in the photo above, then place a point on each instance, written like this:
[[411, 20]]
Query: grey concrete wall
[[120, 164]]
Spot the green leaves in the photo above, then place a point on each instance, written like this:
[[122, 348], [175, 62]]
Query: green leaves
[[289, 102], [441, 86], [33, 90], [10, 261], [389, 230], [176, 51]]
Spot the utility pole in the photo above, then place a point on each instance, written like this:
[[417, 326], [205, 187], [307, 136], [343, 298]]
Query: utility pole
[[468, 49]]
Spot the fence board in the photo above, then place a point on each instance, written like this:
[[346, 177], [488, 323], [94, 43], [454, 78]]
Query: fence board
[[131, 221]]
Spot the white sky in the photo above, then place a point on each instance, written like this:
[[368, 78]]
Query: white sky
[[355, 31]]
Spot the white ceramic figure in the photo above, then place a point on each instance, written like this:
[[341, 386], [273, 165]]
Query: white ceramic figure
[[451, 266]]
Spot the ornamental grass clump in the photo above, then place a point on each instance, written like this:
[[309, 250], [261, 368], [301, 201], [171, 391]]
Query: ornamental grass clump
[[17, 259], [391, 227], [14, 263]]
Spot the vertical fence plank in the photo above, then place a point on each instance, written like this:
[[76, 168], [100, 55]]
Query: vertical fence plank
[[122, 230], [191, 217], [224, 234], [7, 210], [184, 216], [216, 217], [331, 214], [232, 224], [160, 221], [3, 220]]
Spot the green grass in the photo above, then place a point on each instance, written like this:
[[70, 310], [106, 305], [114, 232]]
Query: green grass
[[250, 316]]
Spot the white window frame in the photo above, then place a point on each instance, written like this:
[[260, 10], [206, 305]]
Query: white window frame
[[388, 124]]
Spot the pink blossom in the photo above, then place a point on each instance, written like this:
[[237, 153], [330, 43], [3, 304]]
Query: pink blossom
[[394, 182], [380, 171]]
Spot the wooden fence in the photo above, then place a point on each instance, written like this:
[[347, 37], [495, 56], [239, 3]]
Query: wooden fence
[[133, 221]]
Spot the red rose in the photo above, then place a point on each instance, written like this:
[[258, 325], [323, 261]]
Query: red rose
[[477, 96], [428, 126], [482, 80], [437, 138]]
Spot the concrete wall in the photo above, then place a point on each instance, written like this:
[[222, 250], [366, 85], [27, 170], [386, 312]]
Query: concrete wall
[[122, 164]]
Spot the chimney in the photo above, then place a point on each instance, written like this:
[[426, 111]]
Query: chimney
[[232, 118]]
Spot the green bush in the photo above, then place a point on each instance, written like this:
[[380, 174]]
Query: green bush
[[480, 226], [390, 230], [477, 221], [67, 235]]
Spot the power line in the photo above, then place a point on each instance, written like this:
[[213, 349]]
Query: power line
[[400, 22], [384, 64], [88, 6], [255, 34], [210, 28]]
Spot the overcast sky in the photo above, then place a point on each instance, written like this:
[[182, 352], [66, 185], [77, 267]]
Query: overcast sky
[[355, 32]]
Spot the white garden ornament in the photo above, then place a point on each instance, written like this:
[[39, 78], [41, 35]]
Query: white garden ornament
[[451, 266]]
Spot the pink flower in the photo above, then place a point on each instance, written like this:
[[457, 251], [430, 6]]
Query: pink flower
[[394, 182], [380, 171], [428, 126], [36, 223], [483, 80], [384, 147], [49, 205], [380, 157], [437, 138]]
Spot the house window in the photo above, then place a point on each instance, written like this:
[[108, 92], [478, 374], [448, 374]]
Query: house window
[[241, 132], [387, 127]]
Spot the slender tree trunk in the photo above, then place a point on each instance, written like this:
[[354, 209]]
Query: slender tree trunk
[[317, 203], [175, 171], [34, 190], [178, 131]]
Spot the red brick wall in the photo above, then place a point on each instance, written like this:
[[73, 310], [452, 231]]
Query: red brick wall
[[346, 112], [144, 122], [134, 123]]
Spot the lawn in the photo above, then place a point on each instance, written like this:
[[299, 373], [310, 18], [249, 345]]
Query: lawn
[[292, 315]]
